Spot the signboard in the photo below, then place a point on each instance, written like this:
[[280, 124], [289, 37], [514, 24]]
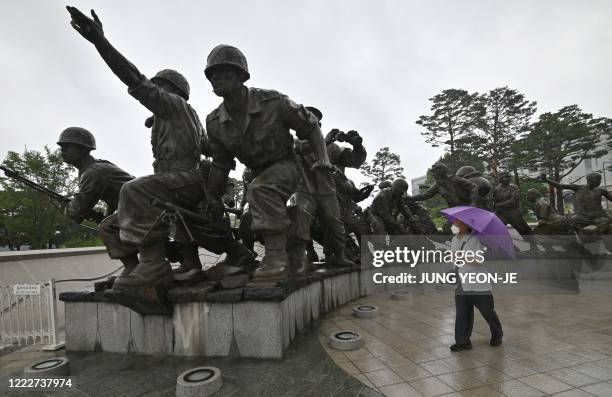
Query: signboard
[[26, 289]]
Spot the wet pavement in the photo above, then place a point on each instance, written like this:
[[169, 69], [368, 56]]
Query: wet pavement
[[554, 345], [306, 370]]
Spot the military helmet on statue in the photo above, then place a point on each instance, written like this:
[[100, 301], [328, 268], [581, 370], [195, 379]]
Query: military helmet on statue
[[533, 194], [175, 78], [226, 55], [465, 171], [318, 114], [400, 184], [385, 184], [439, 168], [79, 136]]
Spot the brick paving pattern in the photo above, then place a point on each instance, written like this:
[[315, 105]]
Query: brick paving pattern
[[559, 345]]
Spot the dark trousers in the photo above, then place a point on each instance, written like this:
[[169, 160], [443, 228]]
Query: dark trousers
[[464, 322]]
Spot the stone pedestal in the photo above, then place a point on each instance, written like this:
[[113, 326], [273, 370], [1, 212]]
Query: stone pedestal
[[251, 322]]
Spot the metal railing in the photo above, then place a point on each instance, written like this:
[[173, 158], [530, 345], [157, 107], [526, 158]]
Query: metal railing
[[28, 315]]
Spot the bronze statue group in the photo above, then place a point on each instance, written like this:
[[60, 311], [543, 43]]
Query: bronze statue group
[[295, 190]]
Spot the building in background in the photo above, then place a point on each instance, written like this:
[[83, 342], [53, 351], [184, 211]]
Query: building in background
[[600, 165], [415, 185]]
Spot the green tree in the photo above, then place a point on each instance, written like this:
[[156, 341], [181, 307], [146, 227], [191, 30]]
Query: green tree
[[234, 191], [30, 217], [462, 158], [452, 120], [383, 167], [503, 115], [559, 142]]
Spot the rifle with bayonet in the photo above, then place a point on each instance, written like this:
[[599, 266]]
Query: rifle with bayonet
[[61, 199]]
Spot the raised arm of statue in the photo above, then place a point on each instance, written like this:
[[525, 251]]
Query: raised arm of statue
[[91, 30], [159, 101], [426, 195], [355, 157], [561, 185]]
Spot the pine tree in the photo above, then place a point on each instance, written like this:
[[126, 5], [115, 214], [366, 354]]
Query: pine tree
[[385, 166]]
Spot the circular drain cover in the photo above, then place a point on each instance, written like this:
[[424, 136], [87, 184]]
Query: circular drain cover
[[346, 340], [365, 311], [199, 375], [201, 381], [59, 366]]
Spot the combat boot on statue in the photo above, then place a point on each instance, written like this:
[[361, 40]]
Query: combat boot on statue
[[336, 256], [240, 256], [239, 260], [129, 264], [153, 270], [273, 266], [340, 260], [190, 259], [300, 263]]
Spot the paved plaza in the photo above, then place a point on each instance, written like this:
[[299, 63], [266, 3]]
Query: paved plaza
[[557, 345], [306, 370]]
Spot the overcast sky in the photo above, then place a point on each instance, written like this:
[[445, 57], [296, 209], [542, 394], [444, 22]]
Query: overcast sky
[[368, 65]]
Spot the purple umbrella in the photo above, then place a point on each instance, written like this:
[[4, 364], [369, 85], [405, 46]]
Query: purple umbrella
[[487, 227]]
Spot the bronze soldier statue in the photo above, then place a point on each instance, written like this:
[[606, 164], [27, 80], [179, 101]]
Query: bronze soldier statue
[[253, 126], [384, 185], [549, 220], [318, 204], [421, 223], [507, 204], [176, 138], [381, 212], [99, 180], [484, 186], [588, 202], [353, 217], [454, 189], [345, 157], [348, 194]]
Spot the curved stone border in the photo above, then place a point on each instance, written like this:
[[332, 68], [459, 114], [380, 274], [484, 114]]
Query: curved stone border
[[200, 381], [58, 366], [346, 340], [365, 311]]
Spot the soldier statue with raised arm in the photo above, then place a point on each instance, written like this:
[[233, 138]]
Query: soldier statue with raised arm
[[176, 138]]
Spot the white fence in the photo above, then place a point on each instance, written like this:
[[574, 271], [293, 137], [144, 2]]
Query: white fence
[[28, 315]]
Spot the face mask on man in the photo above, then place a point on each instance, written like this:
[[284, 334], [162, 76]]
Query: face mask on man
[[455, 229]]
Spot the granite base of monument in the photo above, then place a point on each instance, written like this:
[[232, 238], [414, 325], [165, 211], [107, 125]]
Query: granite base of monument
[[240, 322]]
